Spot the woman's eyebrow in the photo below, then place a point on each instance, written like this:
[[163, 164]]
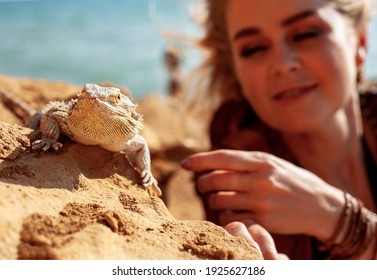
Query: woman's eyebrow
[[300, 16], [249, 31]]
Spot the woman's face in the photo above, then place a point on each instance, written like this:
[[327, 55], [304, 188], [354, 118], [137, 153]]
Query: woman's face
[[295, 60]]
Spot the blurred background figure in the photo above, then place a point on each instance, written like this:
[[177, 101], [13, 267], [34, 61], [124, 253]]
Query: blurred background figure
[[172, 61]]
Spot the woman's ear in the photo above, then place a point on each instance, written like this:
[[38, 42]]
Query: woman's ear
[[362, 47]]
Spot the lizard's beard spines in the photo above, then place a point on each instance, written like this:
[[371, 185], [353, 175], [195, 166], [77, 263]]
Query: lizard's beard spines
[[130, 126]]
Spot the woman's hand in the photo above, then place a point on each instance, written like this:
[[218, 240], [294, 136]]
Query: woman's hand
[[276, 194], [257, 237]]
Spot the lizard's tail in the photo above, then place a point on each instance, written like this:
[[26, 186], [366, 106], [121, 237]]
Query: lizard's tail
[[19, 107]]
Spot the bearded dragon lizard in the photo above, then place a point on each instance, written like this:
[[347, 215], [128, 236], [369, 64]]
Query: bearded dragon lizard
[[100, 116]]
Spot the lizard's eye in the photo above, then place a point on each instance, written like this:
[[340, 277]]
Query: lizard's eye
[[117, 98]]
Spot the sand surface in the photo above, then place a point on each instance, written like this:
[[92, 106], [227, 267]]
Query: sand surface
[[85, 202]]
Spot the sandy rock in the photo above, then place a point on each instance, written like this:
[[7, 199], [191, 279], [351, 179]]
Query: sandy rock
[[172, 133], [85, 202]]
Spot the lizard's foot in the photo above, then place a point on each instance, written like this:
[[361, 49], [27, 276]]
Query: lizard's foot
[[149, 182], [45, 144]]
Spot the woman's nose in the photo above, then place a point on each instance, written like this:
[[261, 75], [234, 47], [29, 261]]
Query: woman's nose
[[284, 61]]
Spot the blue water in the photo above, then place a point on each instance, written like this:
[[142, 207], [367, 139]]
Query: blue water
[[82, 41], [91, 41]]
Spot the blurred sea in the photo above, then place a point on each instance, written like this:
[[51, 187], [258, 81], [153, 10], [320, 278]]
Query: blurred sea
[[82, 41]]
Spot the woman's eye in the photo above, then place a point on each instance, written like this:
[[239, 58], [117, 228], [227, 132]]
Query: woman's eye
[[302, 36], [246, 52]]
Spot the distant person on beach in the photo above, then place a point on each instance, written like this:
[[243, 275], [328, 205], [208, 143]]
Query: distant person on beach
[[294, 135], [172, 60]]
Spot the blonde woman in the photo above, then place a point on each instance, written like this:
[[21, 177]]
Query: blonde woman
[[294, 142]]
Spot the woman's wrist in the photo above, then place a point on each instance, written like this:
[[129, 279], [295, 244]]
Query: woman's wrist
[[354, 235], [329, 216]]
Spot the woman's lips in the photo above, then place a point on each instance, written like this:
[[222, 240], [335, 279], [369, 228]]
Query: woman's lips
[[293, 92]]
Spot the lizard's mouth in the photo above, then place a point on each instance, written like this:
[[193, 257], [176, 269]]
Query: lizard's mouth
[[119, 110]]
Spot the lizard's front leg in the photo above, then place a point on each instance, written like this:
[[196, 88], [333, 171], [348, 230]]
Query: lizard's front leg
[[49, 128], [143, 162]]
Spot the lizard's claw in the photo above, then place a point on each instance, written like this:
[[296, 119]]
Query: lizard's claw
[[149, 182], [45, 144]]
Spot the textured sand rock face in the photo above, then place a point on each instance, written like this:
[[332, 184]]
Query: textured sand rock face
[[85, 203], [171, 134]]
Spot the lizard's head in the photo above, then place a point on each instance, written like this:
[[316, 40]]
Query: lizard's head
[[110, 98]]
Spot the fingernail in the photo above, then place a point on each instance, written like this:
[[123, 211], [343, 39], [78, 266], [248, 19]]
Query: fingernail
[[186, 163]]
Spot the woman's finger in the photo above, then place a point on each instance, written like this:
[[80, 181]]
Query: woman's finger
[[234, 201], [240, 230], [263, 238], [222, 180], [225, 160]]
